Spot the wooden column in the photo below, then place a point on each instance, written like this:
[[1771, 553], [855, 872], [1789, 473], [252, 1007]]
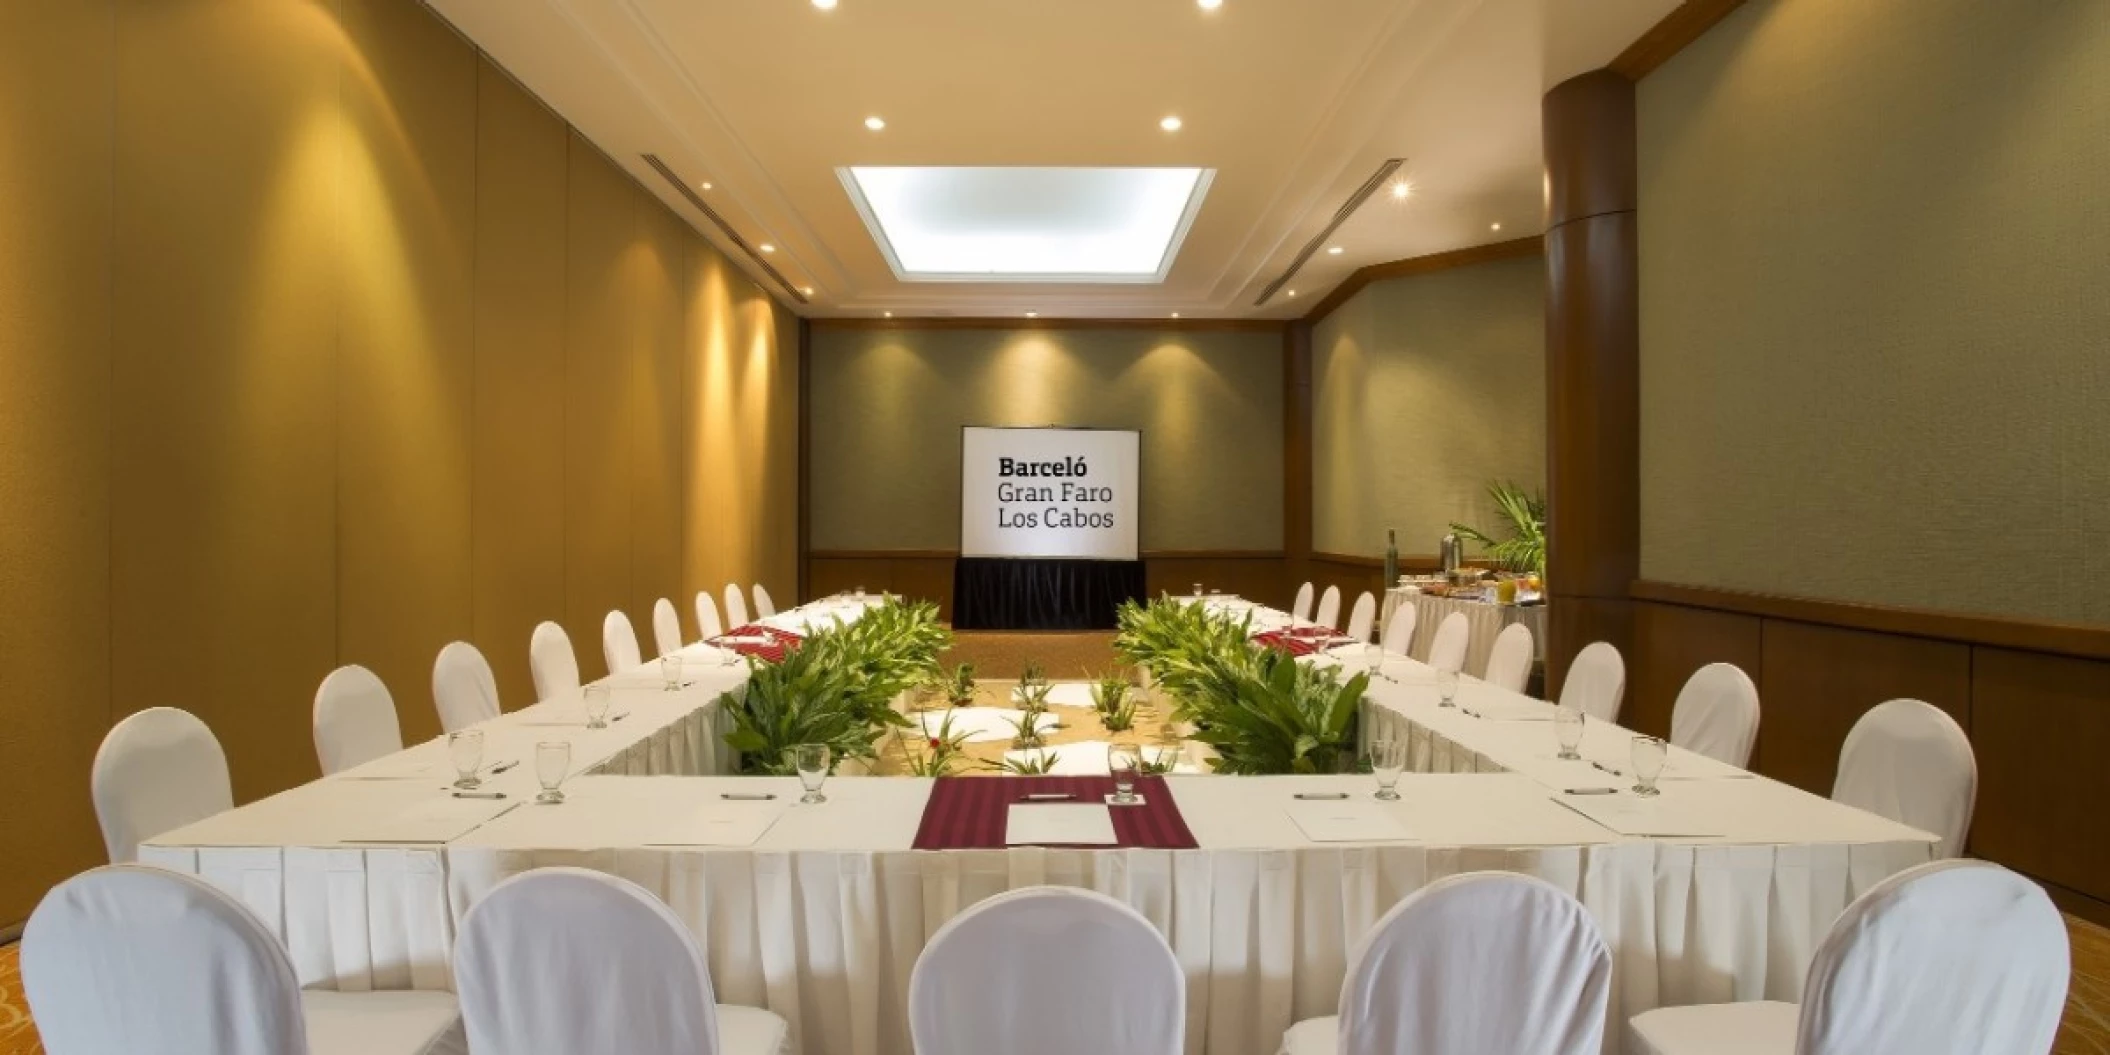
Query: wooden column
[[1296, 458], [1592, 366]]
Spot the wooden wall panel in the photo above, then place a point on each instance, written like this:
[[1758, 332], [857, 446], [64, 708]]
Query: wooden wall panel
[[1258, 577], [517, 424], [55, 225], [1816, 681], [1670, 643], [657, 452], [407, 179], [2039, 725], [224, 454]]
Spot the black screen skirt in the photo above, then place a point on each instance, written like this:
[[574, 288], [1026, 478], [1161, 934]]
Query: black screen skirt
[[993, 593]]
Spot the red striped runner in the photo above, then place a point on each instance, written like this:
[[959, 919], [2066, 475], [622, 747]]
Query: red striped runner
[[969, 813], [781, 642], [1299, 644]]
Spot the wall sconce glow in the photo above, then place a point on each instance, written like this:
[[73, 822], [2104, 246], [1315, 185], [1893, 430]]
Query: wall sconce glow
[[1003, 224], [1170, 124], [876, 124]]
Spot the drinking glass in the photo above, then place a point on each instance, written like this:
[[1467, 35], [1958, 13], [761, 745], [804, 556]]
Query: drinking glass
[[1649, 755], [1447, 687], [670, 672], [552, 762], [1122, 760], [597, 701], [1568, 729], [811, 760], [1198, 595], [466, 748], [1373, 657], [1388, 759], [860, 593]]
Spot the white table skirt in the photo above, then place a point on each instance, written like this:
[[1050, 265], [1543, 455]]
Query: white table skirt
[[1486, 620]]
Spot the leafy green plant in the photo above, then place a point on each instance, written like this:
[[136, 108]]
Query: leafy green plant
[[1121, 716], [1034, 674], [1033, 727], [1039, 763], [1108, 692], [1033, 696], [936, 755], [1271, 714], [837, 688], [1524, 516], [957, 685], [1184, 646]]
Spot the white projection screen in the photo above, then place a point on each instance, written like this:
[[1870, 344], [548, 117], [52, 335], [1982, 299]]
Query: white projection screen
[[1049, 492]]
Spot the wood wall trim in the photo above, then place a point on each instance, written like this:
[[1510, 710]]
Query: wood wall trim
[[950, 322], [1670, 35], [2065, 639], [1420, 265]]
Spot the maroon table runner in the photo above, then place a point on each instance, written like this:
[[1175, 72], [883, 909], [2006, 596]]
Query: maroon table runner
[[969, 813], [1300, 642], [781, 642]]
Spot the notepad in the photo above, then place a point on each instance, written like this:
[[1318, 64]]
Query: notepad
[[1347, 821], [735, 824], [1662, 817], [1059, 824], [441, 819]]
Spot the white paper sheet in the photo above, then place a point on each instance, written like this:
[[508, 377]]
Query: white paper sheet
[[442, 818], [719, 823], [1071, 824], [1664, 816], [1347, 821]]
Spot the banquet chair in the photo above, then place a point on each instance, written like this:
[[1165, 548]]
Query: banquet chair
[[127, 958], [1596, 682], [619, 642], [735, 607], [552, 662], [1717, 714], [1362, 617], [1909, 761], [355, 720], [764, 605], [1329, 613], [1300, 609], [1509, 663], [564, 961], [1950, 958], [1399, 629], [1453, 635], [666, 627], [157, 770], [707, 623], [1047, 971], [1471, 964], [463, 688]]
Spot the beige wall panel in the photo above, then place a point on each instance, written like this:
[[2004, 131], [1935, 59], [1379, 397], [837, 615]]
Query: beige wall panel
[[1425, 389], [888, 406], [1872, 311], [55, 149], [408, 183], [517, 474], [223, 479], [598, 330], [655, 417]]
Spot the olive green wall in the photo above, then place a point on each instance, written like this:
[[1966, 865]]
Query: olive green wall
[[1425, 388], [323, 342], [887, 406], [1875, 340]]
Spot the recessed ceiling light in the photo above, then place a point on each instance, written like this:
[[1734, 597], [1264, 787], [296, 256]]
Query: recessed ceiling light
[[1293, 293], [1334, 250], [888, 314], [1210, 5], [767, 248], [1170, 124], [807, 290], [825, 5], [1494, 227], [1177, 314], [1402, 188], [1032, 315], [875, 123], [706, 184]]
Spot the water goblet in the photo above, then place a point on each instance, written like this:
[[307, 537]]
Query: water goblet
[[1198, 595], [670, 671], [552, 763], [1388, 760], [597, 700], [1649, 755], [1568, 730], [1123, 760], [1447, 687], [811, 762], [860, 594], [465, 747]]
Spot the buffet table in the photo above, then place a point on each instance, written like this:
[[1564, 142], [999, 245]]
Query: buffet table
[[1486, 619], [818, 912]]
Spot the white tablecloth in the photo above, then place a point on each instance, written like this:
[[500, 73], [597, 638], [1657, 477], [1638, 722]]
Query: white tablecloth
[[821, 917], [1486, 620]]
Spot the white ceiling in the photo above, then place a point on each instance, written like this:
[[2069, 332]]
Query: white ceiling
[[1292, 103]]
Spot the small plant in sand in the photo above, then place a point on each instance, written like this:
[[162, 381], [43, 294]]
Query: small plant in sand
[[1036, 764], [934, 757], [1033, 727]]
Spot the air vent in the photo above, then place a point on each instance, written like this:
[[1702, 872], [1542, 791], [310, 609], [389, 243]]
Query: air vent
[[1340, 216], [689, 195]]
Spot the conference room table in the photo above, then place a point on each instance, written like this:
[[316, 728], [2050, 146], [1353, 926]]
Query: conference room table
[[818, 912]]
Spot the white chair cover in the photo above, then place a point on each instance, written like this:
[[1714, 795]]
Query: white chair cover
[[355, 719], [1717, 714], [1453, 636], [1909, 761], [1047, 971], [764, 605], [1363, 616], [1509, 663], [563, 961], [158, 770], [666, 627], [1472, 964], [619, 642], [1329, 613], [1596, 682], [463, 688], [707, 623], [1300, 609], [735, 607], [1399, 629], [127, 958], [552, 661], [1953, 957]]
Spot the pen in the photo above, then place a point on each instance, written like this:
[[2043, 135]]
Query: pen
[[503, 766], [1050, 796], [1317, 796], [1591, 791], [479, 794], [745, 796], [1607, 769]]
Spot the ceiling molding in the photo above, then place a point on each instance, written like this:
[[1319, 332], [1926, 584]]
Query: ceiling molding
[[681, 187], [1422, 265], [1355, 201], [949, 322], [1685, 24]]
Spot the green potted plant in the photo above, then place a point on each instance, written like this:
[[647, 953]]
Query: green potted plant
[[1523, 516]]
